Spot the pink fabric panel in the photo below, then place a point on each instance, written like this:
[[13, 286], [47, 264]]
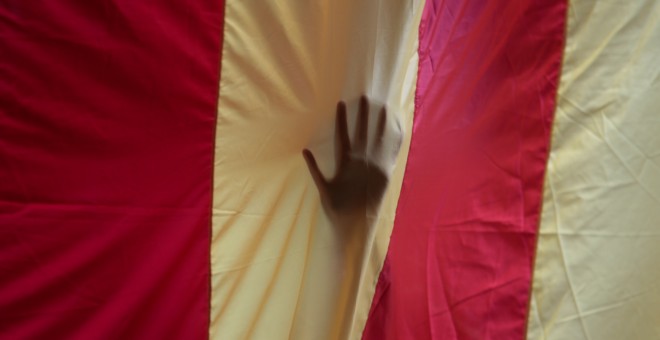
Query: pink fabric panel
[[461, 254]]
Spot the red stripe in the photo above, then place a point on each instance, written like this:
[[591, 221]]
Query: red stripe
[[461, 254], [107, 111]]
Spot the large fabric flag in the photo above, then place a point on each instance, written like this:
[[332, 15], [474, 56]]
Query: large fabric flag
[[153, 185]]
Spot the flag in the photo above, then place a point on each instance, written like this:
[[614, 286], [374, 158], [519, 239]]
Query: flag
[[152, 184]]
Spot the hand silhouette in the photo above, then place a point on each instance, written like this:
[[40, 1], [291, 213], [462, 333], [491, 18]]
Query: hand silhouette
[[360, 181]]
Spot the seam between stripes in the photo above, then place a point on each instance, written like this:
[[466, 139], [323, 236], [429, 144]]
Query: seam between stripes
[[545, 168], [209, 300]]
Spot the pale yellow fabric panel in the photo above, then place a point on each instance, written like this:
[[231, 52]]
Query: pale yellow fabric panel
[[597, 273], [285, 65]]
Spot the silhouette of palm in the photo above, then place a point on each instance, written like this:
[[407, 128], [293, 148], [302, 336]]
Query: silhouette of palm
[[359, 183]]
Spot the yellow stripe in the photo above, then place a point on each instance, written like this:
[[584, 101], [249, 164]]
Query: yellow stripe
[[285, 65], [597, 271]]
